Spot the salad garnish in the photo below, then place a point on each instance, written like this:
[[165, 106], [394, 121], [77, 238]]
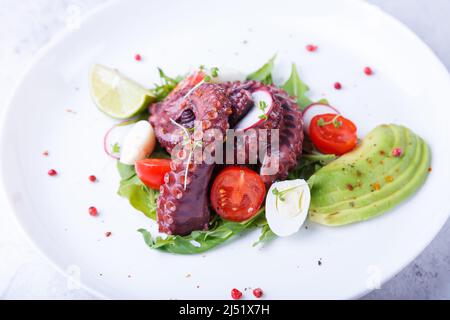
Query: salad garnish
[[263, 106], [335, 122], [323, 159]]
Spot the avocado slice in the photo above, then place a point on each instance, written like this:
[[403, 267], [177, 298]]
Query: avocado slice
[[370, 180]]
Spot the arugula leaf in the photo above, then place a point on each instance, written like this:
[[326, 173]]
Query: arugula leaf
[[264, 74], [309, 164], [139, 196], [161, 91], [297, 88], [266, 236], [201, 241]]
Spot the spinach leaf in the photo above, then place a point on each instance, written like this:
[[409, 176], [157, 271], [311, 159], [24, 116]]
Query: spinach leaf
[[201, 241], [264, 74], [140, 197], [297, 88]]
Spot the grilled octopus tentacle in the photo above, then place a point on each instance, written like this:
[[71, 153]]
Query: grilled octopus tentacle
[[183, 201], [290, 140]]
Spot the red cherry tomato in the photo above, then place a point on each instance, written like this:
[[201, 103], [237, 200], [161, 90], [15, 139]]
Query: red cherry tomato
[[333, 134], [191, 80], [152, 171], [195, 78], [237, 193]]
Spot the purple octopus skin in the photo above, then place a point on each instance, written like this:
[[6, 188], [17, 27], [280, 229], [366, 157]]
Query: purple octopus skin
[[183, 203], [284, 115], [291, 139], [240, 98], [167, 133]]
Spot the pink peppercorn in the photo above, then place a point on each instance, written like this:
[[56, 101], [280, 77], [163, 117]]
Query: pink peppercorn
[[138, 57], [311, 48], [338, 86], [368, 71], [52, 172], [108, 234], [236, 294], [92, 178], [258, 292], [93, 211], [397, 152]]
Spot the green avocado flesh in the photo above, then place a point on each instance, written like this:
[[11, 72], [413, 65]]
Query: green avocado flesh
[[369, 180]]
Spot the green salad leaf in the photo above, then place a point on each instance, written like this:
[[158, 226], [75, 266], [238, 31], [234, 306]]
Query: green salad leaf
[[309, 164], [297, 88], [140, 197], [200, 241], [160, 153], [162, 90], [266, 236], [220, 231], [264, 74]]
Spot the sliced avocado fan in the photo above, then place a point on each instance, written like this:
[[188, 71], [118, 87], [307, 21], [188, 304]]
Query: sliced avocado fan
[[370, 180]]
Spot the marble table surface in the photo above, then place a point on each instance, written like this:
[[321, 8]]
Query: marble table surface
[[27, 25]]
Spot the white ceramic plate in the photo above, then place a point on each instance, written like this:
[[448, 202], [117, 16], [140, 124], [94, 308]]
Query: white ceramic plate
[[410, 87]]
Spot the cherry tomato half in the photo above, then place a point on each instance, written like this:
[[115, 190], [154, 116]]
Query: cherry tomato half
[[333, 134], [237, 193], [152, 171]]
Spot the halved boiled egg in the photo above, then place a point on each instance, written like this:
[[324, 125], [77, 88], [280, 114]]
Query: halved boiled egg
[[287, 206], [138, 143]]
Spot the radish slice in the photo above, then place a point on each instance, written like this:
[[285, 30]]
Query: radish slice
[[106, 138], [259, 112], [314, 110]]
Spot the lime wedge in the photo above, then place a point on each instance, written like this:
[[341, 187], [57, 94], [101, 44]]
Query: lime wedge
[[116, 95]]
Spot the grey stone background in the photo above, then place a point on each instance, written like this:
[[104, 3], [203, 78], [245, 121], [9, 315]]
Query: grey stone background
[[27, 25]]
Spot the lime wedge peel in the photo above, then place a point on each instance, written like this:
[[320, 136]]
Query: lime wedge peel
[[116, 95]]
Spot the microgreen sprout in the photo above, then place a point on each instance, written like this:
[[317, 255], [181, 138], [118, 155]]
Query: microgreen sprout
[[192, 145], [280, 195], [335, 122], [115, 148], [209, 73], [214, 72], [263, 106]]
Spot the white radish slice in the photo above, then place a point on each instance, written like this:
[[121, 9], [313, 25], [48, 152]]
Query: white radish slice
[[256, 115], [314, 110], [287, 208], [138, 143]]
